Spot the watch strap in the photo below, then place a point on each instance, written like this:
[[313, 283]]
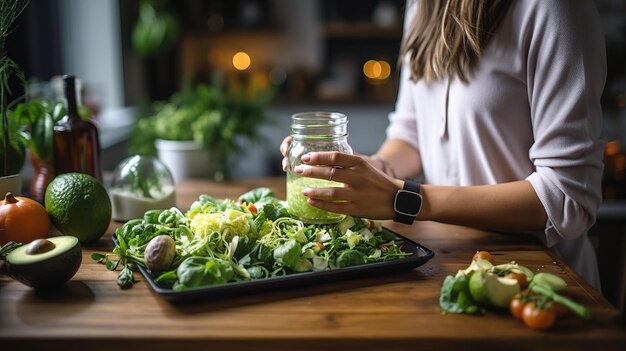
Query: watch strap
[[412, 187]]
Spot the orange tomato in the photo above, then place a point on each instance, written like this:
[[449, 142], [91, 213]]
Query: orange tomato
[[516, 306], [538, 318], [252, 208], [522, 281], [22, 220], [484, 255]]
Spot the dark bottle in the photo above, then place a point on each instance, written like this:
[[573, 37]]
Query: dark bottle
[[76, 145]]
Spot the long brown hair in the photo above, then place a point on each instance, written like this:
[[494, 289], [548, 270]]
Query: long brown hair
[[446, 37]]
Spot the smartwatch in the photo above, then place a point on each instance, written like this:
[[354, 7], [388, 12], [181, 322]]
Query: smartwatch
[[407, 203]]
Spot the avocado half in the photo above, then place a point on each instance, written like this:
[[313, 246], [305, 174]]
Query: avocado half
[[45, 263]]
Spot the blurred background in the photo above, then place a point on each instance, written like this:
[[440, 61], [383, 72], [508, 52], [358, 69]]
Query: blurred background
[[310, 55]]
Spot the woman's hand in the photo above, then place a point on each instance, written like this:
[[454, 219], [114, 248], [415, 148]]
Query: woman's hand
[[378, 163], [284, 148], [367, 192]]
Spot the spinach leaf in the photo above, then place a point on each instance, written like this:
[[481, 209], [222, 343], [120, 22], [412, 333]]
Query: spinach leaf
[[152, 216], [349, 258], [244, 246], [208, 204], [257, 272], [167, 279], [455, 296], [171, 218], [125, 279], [257, 196], [198, 271], [274, 210], [288, 253]]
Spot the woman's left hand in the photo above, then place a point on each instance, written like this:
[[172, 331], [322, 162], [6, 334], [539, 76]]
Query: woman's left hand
[[367, 192]]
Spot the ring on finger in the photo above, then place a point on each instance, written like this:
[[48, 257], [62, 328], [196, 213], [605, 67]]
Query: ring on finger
[[332, 173]]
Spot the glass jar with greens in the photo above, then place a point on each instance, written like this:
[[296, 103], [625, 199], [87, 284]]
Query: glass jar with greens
[[310, 132], [139, 184]]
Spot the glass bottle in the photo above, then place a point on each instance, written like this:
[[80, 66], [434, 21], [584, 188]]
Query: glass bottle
[[313, 131], [76, 144]]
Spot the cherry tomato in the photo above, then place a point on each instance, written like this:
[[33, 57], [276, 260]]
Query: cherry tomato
[[538, 318], [252, 208], [522, 281], [484, 255], [516, 306]]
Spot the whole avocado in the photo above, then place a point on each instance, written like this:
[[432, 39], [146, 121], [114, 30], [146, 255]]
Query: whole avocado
[[78, 205]]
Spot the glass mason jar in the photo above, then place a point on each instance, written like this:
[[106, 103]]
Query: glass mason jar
[[310, 132]]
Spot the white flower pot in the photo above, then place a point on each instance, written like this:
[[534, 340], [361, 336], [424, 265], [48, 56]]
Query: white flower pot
[[185, 159], [12, 183]]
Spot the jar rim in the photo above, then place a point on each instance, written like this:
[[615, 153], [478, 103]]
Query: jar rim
[[331, 118]]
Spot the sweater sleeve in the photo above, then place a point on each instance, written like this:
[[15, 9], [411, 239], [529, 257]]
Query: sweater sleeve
[[566, 71]]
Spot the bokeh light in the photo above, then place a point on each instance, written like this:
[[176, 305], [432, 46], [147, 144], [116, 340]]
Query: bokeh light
[[379, 70], [241, 61]]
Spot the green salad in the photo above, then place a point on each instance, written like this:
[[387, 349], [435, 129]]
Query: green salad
[[255, 237]]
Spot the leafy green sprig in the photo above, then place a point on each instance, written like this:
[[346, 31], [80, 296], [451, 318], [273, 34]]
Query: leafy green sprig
[[9, 12]]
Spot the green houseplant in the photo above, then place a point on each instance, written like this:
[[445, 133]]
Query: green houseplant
[[217, 122], [11, 153], [36, 119]]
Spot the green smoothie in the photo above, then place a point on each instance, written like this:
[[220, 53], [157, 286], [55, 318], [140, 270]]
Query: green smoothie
[[297, 203]]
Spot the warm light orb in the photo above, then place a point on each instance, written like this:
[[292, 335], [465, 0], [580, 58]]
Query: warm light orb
[[377, 69], [241, 61], [385, 70], [370, 68]]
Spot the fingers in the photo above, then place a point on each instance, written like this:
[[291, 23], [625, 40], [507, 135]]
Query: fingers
[[327, 194], [334, 158], [284, 146], [285, 164], [322, 172]]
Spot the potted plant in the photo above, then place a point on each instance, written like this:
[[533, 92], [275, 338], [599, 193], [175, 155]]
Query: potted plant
[[199, 130], [12, 154], [36, 120]]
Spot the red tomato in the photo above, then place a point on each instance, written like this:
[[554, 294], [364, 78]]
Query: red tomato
[[522, 281], [484, 255], [538, 318], [516, 306]]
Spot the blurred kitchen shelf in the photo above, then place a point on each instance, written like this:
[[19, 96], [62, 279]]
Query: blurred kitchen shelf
[[365, 30]]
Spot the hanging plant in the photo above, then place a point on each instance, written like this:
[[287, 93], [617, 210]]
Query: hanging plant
[[12, 154], [156, 30]]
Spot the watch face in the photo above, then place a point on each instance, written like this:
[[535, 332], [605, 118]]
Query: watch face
[[407, 203]]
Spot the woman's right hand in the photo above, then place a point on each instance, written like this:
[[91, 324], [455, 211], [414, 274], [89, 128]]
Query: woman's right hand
[[284, 148]]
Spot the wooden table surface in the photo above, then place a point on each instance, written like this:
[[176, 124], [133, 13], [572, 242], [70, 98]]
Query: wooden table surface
[[392, 312]]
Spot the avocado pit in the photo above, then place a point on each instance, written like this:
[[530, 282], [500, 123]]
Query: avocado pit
[[39, 246]]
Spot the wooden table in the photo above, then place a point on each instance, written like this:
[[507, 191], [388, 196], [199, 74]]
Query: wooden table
[[394, 312]]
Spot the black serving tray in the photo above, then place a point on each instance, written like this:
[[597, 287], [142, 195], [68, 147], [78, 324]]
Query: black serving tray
[[420, 255]]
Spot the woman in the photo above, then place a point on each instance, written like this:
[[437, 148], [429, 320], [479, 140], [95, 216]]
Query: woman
[[499, 110]]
